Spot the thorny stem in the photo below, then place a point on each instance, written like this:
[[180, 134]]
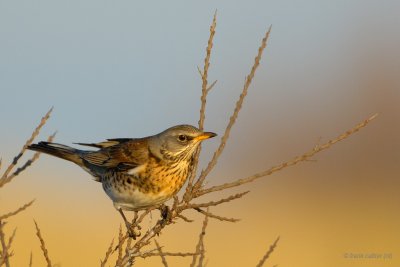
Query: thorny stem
[[232, 120], [204, 91], [6, 178]]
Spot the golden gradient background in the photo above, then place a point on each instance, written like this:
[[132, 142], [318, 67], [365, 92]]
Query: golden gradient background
[[127, 69]]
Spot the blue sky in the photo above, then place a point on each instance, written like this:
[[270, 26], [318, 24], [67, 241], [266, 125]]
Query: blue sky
[[129, 68]]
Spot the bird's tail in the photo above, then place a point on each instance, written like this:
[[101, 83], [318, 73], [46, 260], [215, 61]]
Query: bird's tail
[[58, 150]]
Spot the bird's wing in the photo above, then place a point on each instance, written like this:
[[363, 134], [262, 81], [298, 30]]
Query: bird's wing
[[122, 154], [108, 143]]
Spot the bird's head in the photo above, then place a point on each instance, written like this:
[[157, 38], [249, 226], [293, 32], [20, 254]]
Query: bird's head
[[178, 142]]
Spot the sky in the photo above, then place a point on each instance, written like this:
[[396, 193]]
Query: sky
[[129, 69]]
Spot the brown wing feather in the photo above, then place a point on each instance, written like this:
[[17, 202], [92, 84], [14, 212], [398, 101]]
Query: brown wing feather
[[124, 154], [108, 143]]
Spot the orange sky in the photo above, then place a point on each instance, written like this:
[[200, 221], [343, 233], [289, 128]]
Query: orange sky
[[345, 202]]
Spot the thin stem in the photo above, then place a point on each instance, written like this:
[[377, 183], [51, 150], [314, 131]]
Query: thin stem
[[235, 114], [5, 178], [43, 245], [268, 253], [305, 157], [204, 91]]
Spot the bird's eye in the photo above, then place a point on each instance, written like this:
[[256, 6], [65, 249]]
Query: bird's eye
[[182, 138]]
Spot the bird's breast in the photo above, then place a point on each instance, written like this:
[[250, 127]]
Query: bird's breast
[[146, 185]]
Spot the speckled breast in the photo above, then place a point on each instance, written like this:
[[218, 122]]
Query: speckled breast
[[146, 185]]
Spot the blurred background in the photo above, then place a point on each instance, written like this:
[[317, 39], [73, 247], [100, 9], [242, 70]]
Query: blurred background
[[129, 69]]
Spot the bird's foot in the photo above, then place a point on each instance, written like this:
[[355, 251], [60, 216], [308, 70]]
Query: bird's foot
[[132, 228], [133, 231], [165, 214]]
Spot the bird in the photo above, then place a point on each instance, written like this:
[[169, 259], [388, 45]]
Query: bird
[[136, 173]]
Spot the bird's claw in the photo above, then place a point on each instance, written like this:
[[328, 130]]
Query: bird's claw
[[132, 231], [130, 227], [165, 214]]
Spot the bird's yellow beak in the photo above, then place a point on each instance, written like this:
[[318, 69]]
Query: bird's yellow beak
[[205, 135]]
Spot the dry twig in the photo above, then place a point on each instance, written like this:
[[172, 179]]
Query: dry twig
[[31, 260], [184, 218], [6, 178], [215, 203], [235, 114], [306, 156], [127, 248], [5, 216], [108, 253], [163, 259], [11, 239], [221, 218], [121, 241], [204, 75], [5, 254], [31, 160], [268, 253], [170, 254], [43, 245], [5, 247], [200, 245], [204, 91]]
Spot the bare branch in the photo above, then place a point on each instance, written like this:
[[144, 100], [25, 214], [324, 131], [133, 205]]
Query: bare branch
[[127, 249], [235, 114], [204, 92], [211, 86], [134, 251], [157, 228], [163, 259], [11, 239], [30, 161], [215, 203], [200, 244], [184, 218], [204, 75], [269, 252], [201, 241], [5, 216], [108, 253], [43, 245], [121, 241], [199, 70], [4, 260], [306, 156], [211, 215], [5, 179], [175, 203], [5, 255], [144, 214], [136, 224], [31, 260], [170, 254]]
